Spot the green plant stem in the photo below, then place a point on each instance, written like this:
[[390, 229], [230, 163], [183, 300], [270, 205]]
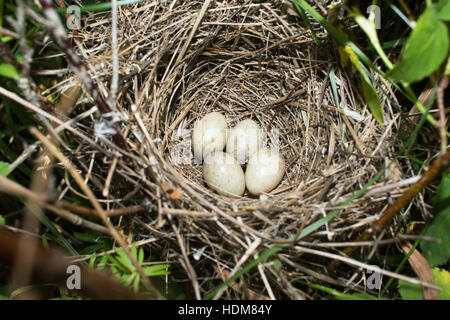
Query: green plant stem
[[382, 54], [368, 26]]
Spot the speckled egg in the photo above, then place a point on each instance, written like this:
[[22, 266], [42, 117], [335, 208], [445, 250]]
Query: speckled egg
[[209, 135], [264, 172], [223, 174]]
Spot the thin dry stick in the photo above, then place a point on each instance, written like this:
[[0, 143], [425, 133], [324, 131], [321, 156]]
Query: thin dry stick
[[28, 105], [200, 16], [432, 173], [187, 263], [76, 220], [367, 243], [440, 101], [177, 121], [105, 191], [32, 147], [264, 279], [13, 188], [87, 191], [91, 212], [252, 295], [357, 263], [115, 53], [188, 213], [238, 265]]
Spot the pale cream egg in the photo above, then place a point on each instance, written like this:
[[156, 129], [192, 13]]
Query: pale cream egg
[[244, 140], [209, 134], [223, 173], [264, 172]]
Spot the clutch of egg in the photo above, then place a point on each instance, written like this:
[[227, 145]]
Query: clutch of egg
[[222, 171]]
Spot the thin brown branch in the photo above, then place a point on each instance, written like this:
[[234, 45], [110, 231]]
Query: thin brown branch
[[441, 106]]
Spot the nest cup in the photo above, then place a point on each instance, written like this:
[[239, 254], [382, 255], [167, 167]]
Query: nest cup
[[254, 61]]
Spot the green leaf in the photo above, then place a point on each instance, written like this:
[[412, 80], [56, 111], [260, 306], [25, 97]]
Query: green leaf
[[136, 282], [2, 220], [44, 241], [439, 253], [425, 50], [308, 24], [8, 71], [369, 92], [442, 279], [128, 279], [340, 295], [410, 291], [118, 264], [141, 256], [85, 237], [373, 101], [103, 261], [98, 247], [91, 262], [133, 250], [157, 270], [339, 35], [276, 265], [4, 168], [443, 8]]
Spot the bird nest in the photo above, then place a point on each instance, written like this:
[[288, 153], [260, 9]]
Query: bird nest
[[247, 60]]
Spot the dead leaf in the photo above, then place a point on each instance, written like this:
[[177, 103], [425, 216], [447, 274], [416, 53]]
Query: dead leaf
[[166, 187], [422, 269], [394, 172], [176, 194]]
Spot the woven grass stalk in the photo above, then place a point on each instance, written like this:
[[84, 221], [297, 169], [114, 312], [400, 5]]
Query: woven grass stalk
[[247, 60]]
